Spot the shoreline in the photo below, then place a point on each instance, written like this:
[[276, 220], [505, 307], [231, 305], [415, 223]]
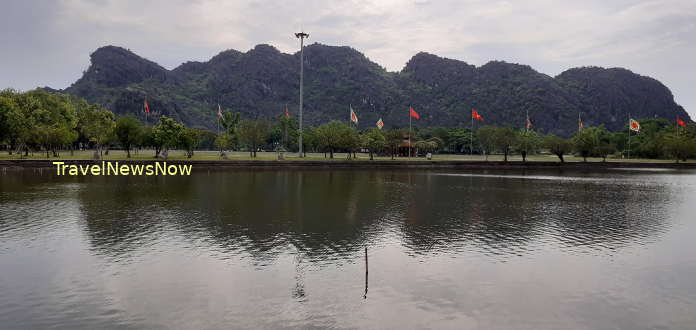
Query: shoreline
[[18, 164]]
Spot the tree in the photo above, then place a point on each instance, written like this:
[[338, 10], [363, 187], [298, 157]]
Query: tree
[[222, 142], [188, 140], [558, 146], [331, 136], [166, 135], [459, 140], [487, 138], [310, 140], [350, 140], [54, 119], [128, 131], [11, 119], [252, 133], [374, 141], [230, 122], [585, 142], [526, 142], [504, 139], [285, 132], [679, 147], [394, 138]]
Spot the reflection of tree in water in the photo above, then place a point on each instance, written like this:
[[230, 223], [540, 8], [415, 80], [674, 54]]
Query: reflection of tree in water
[[329, 216], [609, 215], [504, 216], [261, 214], [122, 214]]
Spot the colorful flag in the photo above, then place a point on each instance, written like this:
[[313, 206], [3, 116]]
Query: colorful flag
[[680, 122], [634, 125], [287, 113], [146, 107], [353, 116], [413, 113], [475, 115], [219, 114], [380, 123]]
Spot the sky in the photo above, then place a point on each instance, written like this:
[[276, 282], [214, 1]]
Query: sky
[[48, 42]]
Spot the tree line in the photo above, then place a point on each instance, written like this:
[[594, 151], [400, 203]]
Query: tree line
[[40, 121]]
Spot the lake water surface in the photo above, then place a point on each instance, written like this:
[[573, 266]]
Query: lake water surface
[[286, 249]]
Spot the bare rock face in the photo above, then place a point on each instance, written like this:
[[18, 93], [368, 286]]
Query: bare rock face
[[262, 81]]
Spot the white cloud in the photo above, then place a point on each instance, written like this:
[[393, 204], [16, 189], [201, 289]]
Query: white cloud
[[650, 37]]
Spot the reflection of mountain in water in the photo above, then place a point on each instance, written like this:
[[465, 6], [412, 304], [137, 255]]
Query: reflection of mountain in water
[[332, 215]]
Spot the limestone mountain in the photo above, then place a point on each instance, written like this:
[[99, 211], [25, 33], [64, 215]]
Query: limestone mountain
[[262, 81]]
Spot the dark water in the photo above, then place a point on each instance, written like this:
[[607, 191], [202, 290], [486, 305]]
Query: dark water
[[221, 250]]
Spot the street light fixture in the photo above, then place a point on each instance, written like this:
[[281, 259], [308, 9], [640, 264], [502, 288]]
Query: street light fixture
[[301, 36]]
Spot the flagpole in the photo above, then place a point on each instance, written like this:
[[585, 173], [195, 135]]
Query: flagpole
[[629, 136], [301, 36], [410, 130], [471, 135]]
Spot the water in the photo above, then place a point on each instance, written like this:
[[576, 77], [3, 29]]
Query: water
[[286, 249]]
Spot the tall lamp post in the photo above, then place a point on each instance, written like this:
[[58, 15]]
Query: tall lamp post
[[301, 36]]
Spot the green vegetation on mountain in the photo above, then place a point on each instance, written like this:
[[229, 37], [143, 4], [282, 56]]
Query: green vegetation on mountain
[[263, 81]]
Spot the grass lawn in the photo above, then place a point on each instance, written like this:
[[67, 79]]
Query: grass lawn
[[239, 155]]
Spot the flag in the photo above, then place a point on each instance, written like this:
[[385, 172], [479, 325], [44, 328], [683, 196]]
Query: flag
[[413, 113], [528, 124], [581, 125], [146, 107], [287, 113], [634, 125], [219, 114], [475, 115], [680, 122], [353, 116], [380, 123]]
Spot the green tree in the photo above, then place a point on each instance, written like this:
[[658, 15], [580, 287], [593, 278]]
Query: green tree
[[585, 142], [374, 141], [394, 138], [12, 121], [98, 128], [505, 138], [252, 133], [679, 147], [487, 138], [54, 119], [223, 142], [188, 140], [230, 122], [527, 142], [331, 136], [128, 132], [558, 146], [350, 140], [166, 135]]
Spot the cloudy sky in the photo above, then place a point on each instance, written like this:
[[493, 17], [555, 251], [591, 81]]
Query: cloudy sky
[[47, 43]]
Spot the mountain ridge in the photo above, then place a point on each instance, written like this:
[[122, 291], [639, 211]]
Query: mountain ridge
[[263, 80]]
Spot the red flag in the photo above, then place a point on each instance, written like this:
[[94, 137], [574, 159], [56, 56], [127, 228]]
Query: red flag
[[680, 122], [146, 107], [287, 113], [353, 116], [413, 113], [475, 115], [634, 125]]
